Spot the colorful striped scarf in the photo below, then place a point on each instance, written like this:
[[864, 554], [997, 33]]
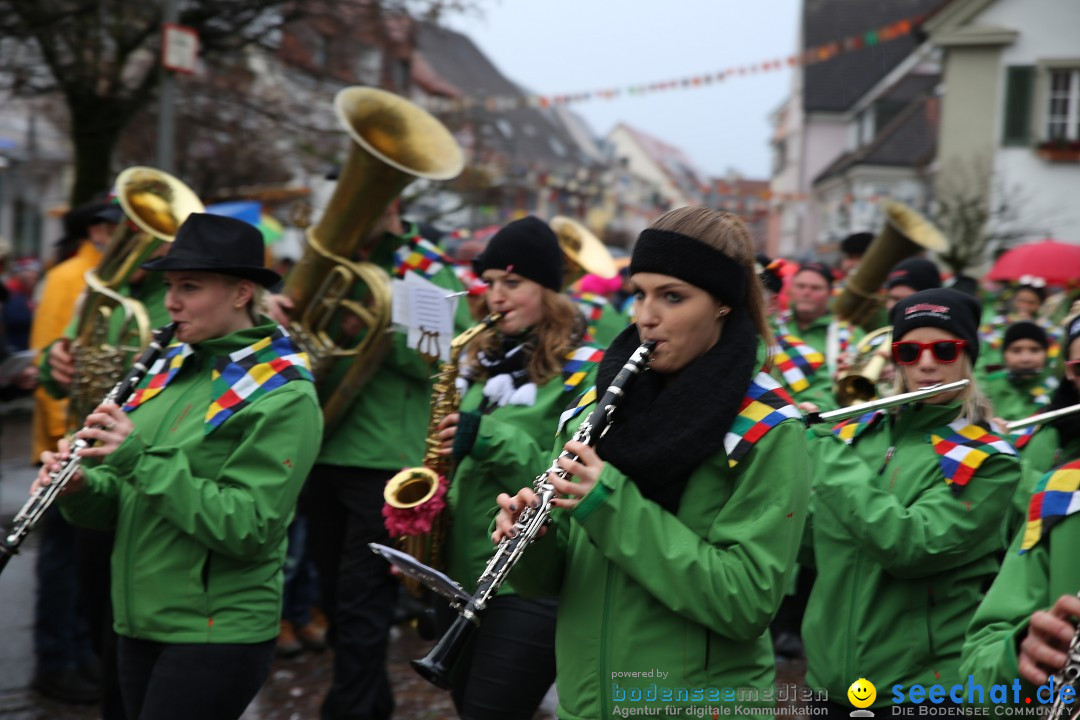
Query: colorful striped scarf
[[765, 406], [963, 448], [577, 365]]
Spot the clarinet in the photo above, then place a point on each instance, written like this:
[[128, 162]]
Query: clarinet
[[1068, 675], [438, 665], [43, 498]]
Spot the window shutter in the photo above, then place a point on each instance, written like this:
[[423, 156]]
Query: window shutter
[[1019, 90]]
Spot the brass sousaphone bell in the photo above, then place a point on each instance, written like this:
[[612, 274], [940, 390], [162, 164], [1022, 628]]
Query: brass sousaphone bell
[[584, 252], [906, 233], [113, 328], [394, 143]]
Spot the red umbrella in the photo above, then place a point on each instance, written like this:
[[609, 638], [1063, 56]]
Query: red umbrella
[[1055, 262]]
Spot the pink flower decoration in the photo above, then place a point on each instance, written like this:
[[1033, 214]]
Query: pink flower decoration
[[416, 520]]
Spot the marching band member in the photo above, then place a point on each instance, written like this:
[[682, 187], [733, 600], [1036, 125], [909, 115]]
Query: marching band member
[[909, 277], [200, 481], [809, 340], [906, 513], [521, 379], [679, 531], [1026, 621], [382, 431]]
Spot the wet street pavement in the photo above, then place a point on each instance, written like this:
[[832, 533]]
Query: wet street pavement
[[295, 688]]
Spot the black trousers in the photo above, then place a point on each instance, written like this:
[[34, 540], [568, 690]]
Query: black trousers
[[179, 682], [510, 663], [344, 510], [93, 551]]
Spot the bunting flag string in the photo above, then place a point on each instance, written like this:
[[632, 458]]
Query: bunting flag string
[[810, 56]]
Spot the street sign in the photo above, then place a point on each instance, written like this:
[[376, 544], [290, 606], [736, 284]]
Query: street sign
[[179, 48]]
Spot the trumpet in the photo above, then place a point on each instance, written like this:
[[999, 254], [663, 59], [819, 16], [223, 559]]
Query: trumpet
[[859, 383], [42, 499], [438, 665]]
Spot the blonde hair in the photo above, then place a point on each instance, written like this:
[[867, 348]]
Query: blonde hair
[[727, 233], [558, 332], [256, 306], [976, 406]]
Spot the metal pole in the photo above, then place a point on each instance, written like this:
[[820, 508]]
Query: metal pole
[[166, 122]]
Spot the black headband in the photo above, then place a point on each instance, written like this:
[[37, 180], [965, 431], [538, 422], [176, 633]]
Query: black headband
[[671, 253]]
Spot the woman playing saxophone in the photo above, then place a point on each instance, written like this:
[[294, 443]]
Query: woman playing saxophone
[[519, 380]]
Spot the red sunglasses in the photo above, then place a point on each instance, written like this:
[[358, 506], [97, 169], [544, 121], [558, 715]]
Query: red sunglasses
[[944, 351]]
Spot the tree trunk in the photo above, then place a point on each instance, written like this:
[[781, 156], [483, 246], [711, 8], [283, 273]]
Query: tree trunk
[[94, 133]]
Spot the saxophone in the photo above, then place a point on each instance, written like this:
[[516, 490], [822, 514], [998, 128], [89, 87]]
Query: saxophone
[[415, 496]]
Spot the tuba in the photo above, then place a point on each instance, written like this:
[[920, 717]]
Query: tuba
[[584, 252], [906, 232], [414, 497], [113, 329], [394, 142], [860, 382]]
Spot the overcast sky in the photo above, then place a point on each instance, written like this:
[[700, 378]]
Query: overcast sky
[[563, 46]]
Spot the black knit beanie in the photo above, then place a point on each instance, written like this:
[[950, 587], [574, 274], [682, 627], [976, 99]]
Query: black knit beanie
[[820, 268], [916, 273], [856, 243], [671, 253], [1072, 332], [527, 247], [1025, 330], [943, 308]]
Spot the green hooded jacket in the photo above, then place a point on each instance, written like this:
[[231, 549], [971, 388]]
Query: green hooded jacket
[[201, 519], [672, 610], [901, 559], [1015, 398]]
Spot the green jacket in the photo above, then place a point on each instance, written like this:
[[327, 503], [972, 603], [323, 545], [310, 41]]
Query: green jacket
[[508, 454], [604, 321], [1018, 398], [1041, 452], [1026, 583], [201, 519], [385, 426], [150, 292], [816, 335], [690, 595], [901, 559]]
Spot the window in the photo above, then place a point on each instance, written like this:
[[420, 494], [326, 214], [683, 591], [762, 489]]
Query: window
[[1063, 105]]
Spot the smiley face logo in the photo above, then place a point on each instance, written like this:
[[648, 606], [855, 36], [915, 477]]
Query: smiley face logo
[[862, 693]]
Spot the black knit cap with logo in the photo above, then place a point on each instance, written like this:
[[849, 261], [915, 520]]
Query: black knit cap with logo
[[944, 308], [527, 247]]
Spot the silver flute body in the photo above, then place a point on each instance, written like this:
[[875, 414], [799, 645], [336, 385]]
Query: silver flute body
[[44, 497], [901, 399], [437, 666], [1042, 417]]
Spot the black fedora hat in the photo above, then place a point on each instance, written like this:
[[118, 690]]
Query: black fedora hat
[[214, 243]]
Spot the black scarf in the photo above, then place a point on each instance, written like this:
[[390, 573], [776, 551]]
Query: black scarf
[[1068, 427], [661, 432]]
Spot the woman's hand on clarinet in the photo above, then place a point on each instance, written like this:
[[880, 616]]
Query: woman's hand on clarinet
[[510, 508], [446, 431], [50, 463], [109, 426], [585, 471], [1042, 652]]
